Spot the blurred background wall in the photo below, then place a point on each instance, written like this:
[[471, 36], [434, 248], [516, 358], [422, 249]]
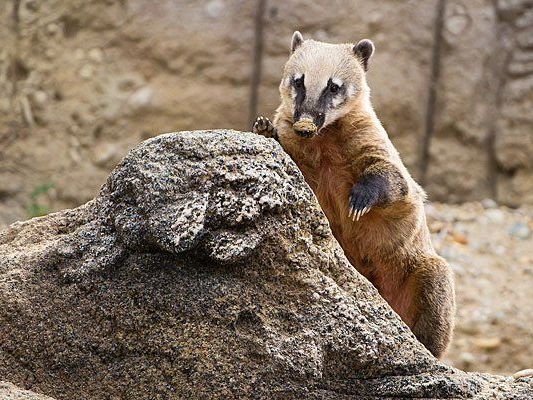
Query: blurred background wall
[[82, 81]]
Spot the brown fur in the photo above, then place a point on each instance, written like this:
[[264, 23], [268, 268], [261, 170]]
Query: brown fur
[[390, 245]]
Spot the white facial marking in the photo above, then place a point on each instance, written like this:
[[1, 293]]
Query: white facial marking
[[298, 75], [350, 91], [337, 81]]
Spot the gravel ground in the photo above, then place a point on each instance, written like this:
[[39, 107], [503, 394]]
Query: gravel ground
[[491, 251]]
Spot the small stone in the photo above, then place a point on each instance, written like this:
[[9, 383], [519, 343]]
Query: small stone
[[141, 98], [40, 97], [488, 203], [457, 24], [52, 29], [525, 373], [86, 71], [495, 215], [520, 230], [460, 238], [487, 343]]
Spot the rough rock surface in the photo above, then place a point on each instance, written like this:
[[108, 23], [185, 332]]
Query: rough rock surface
[[205, 269], [8, 391]]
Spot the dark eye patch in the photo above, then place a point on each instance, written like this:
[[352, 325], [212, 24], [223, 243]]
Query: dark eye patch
[[298, 83], [299, 86], [334, 88], [331, 91]]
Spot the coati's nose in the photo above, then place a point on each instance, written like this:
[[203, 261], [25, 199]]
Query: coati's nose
[[319, 119]]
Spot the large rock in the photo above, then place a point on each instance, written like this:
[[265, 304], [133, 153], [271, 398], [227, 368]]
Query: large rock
[[205, 269]]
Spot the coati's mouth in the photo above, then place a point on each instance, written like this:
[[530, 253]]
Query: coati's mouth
[[305, 128]]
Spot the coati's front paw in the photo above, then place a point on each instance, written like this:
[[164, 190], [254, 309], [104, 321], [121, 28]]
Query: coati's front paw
[[263, 126], [361, 200]]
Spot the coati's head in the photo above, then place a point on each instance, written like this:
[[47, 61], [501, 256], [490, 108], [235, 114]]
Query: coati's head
[[321, 81]]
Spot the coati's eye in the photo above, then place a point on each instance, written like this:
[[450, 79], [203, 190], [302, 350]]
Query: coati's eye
[[334, 88], [299, 83]]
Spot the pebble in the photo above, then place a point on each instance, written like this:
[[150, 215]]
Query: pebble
[[457, 24], [141, 98], [520, 230], [487, 343], [86, 71], [40, 97], [525, 373], [52, 29], [460, 238], [488, 203], [495, 215]]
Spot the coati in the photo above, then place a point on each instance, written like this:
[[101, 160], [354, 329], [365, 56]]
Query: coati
[[327, 125]]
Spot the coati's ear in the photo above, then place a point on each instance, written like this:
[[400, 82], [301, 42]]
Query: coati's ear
[[297, 40], [364, 50]]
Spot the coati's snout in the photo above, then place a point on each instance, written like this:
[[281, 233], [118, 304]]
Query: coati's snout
[[305, 127], [309, 123]]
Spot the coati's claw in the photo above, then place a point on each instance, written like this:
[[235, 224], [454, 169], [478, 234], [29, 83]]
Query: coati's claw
[[263, 126], [361, 201]]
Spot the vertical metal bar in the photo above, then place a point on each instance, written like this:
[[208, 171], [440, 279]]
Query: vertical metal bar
[[429, 124]]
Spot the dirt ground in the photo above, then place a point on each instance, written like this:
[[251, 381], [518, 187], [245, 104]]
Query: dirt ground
[[491, 252]]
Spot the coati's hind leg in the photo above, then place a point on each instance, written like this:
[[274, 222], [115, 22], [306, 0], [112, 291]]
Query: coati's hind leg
[[432, 306], [263, 126]]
